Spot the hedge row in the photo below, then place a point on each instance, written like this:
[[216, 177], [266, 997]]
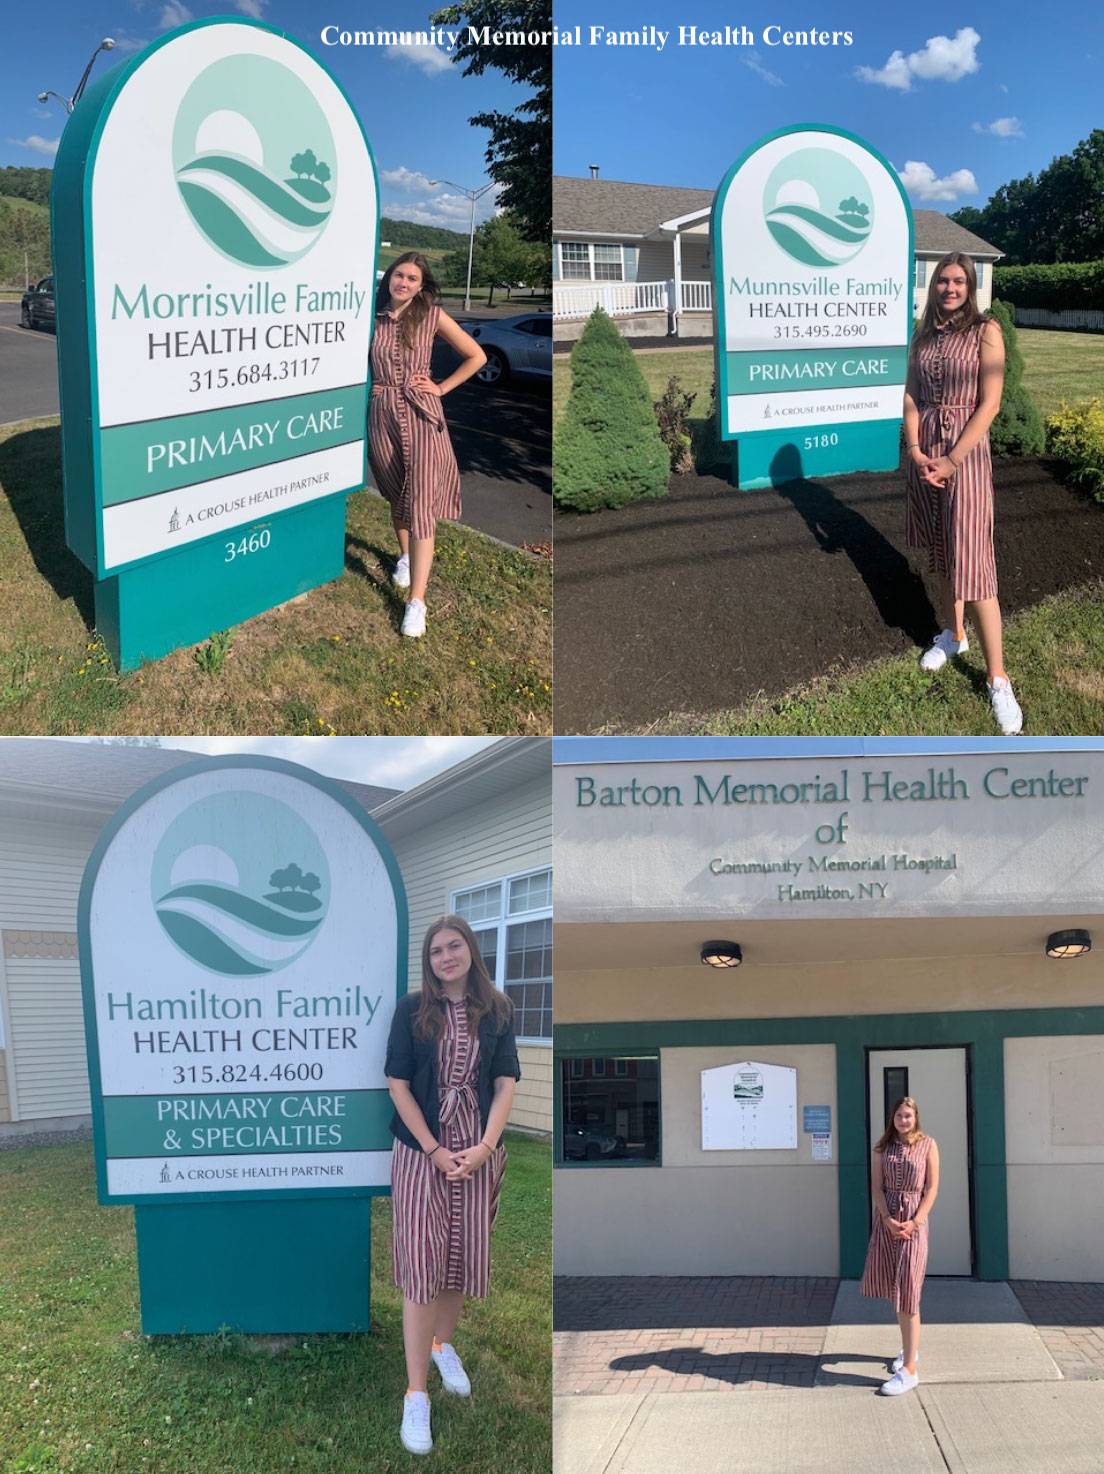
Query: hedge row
[[1075, 437], [1066, 284]]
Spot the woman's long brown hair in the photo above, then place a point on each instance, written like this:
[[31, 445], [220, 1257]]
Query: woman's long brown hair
[[483, 997], [412, 317], [890, 1133], [967, 315]]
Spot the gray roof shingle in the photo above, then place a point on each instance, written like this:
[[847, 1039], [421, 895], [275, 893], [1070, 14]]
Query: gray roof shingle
[[612, 207]]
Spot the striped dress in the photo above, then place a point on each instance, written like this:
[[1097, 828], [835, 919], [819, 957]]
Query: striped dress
[[895, 1267], [954, 523], [408, 442], [441, 1238]]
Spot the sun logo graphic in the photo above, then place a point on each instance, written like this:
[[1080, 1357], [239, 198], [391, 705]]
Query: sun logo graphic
[[818, 207], [255, 161], [240, 884]]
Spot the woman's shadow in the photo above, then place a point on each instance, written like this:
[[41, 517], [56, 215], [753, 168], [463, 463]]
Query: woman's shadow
[[897, 590]]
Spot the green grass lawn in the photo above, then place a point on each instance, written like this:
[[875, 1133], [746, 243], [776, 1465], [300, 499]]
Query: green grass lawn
[[1054, 654], [1058, 366], [83, 1392], [332, 661]]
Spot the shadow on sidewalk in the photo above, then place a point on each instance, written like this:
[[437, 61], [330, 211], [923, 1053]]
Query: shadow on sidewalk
[[755, 1369]]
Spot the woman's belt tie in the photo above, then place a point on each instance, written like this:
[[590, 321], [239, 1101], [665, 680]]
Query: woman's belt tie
[[411, 397], [452, 1097]]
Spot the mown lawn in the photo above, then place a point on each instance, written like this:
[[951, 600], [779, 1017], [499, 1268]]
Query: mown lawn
[[1058, 366], [83, 1392], [1054, 654], [331, 661]]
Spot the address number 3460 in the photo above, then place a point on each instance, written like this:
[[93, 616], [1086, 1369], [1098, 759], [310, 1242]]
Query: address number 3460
[[251, 544]]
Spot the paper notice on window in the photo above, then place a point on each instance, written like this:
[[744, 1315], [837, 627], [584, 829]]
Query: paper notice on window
[[822, 1146]]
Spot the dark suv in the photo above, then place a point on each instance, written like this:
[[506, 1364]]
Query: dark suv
[[38, 305]]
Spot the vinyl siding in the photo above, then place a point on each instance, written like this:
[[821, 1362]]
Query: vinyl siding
[[5, 1105], [41, 865], [47, 1048], [655, 262]]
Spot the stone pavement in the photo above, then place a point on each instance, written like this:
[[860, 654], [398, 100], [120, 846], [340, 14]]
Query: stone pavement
[[1013, 1378]]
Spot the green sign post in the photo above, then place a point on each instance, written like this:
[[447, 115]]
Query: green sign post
[[215, 221], [812, 244], [243, 941]]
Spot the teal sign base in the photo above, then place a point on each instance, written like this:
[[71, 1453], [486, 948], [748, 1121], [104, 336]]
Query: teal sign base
[[256, 1267], [773, 457], [151, 608]]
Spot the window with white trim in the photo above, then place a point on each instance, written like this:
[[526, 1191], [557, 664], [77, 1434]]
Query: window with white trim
[[512, 921], [582, 261], [575, 260], [607, 263]]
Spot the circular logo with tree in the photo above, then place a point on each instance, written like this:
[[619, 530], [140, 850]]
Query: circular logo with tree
[[818, 207], [255, 161], [240, 884]]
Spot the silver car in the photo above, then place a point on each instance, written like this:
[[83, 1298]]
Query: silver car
[[514, 345]]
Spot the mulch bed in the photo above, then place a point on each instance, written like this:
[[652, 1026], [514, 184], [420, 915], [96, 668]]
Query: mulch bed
[[699, 601]]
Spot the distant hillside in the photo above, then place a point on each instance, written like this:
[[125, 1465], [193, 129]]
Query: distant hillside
[[410, 236], [26, 184], [24, 228]]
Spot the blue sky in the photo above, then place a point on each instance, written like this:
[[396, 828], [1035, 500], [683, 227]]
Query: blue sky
[[971, 96], [414, 103]]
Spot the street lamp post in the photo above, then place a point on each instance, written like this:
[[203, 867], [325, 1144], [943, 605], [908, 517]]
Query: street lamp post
[[69, 103], [473, 195]]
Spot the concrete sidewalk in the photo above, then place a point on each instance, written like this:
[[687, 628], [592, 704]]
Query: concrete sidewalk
[[993, 1398]]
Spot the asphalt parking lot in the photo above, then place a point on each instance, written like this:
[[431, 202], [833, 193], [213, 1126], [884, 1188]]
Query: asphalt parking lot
[[502, 434]]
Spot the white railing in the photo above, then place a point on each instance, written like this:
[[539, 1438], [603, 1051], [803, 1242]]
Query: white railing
[[1068, 317], [618, 298], [697, 296]]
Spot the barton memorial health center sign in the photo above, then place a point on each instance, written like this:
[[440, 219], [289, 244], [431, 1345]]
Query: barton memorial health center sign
[[812, 246], [215, 219]]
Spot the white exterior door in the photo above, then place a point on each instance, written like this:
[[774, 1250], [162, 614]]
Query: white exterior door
[[936, 1079]]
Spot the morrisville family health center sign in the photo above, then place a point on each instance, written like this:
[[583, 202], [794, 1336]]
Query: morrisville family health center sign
[[812, 245], [243, 937], [215, 220]]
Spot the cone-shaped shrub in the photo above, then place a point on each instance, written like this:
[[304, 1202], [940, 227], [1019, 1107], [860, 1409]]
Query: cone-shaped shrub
[[1018, 428], [608, 449]]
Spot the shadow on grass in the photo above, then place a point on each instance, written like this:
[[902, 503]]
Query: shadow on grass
[[30, 474]]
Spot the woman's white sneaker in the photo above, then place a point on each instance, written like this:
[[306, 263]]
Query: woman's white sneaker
[[414, 619], [401, 576], [415, 1434], [1006, 708], [901, 1381], [899, 1360], [453, 1375], [941, 649]]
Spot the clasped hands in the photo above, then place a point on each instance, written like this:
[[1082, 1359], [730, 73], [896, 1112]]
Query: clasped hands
[[901, 1228], [459, 1166], [935, 470]]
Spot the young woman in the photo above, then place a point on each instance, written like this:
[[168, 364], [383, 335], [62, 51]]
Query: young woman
[[408, 442], [904, 1179], [451, 1068], [953, 393]]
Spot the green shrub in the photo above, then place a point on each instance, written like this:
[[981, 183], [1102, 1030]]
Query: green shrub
[[608, 451], [1065, 284], [1018, 428], [1075, 437], [672, 414], [712, 455]]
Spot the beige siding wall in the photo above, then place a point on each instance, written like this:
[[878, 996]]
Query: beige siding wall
[[41, 865], [509, 834], [47, 1039], [5, 1105]]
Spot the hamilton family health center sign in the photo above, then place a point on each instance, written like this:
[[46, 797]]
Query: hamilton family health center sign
[[947, 835], [812, 244], [215, 227], [243, 940]]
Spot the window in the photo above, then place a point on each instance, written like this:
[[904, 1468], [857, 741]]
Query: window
[[921, 273], [512, 921], [575, 260], [607, 263], [538, 327], [611, 1109], [980, 266]]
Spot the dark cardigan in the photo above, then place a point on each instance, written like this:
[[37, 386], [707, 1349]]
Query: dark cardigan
[[415, 1060]]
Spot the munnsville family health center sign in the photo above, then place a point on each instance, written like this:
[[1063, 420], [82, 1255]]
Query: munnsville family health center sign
[[243, 940], [215, 227], [812, 244]]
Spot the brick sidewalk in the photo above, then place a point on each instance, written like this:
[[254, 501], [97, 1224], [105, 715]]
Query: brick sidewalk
[[1070, 1320], [663, 1334]]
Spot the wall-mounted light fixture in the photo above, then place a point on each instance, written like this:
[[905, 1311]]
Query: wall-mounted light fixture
[[1073, 943], [721, 954]]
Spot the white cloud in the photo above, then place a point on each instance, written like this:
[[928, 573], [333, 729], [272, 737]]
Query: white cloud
[[1001, 128], [1002, 87], [174, 13], [37, 145], [125, 42], [943, 59], [752, 62], [408, 181], [431, 59], [921, 182], [253, 8], [452, 211]]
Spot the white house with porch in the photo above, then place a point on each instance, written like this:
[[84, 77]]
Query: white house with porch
[[642, 252]]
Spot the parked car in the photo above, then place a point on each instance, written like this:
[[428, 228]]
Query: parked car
[[591, 1144], [37, 310], [514, 345]]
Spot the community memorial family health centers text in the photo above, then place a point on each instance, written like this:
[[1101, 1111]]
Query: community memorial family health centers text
[[650, 38]]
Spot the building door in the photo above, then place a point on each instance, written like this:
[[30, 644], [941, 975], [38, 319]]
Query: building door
[[936, 1079]]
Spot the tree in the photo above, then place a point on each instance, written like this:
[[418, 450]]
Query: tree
[[1018, 428], [311, 883], [519, 152], [322, 172]]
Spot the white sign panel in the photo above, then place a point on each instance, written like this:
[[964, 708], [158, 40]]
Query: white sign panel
[[749, 1106]]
